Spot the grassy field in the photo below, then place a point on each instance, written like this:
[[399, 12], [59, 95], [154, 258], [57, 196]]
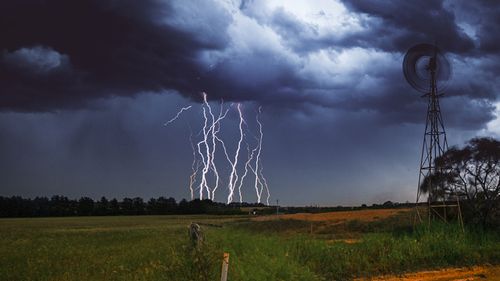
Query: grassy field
[[158, 248]]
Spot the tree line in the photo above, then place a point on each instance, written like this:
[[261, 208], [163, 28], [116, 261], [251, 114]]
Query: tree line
[[17, 206], [60, 206]]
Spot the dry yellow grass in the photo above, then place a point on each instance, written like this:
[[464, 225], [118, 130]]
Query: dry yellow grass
[[341, 216]]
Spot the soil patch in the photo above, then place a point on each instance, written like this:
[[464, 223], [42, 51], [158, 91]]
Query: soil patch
[[340, 216], [487, 273]]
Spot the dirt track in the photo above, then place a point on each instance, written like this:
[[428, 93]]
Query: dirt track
[[362, 215], [487, 273]]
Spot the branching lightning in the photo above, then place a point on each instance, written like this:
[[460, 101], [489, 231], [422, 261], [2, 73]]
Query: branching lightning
[[233, 177], [204, 160], [194, 166], [178, 114], [247, 165], [206, 177], [258, 183], [258, 160]]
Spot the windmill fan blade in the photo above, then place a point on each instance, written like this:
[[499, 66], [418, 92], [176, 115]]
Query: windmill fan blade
[[417, 67]]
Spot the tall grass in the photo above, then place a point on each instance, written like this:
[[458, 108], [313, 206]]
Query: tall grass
[[307, 258], [157, 248]]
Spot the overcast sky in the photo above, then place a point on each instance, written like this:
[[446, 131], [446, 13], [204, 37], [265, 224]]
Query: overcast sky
[[86, 87]]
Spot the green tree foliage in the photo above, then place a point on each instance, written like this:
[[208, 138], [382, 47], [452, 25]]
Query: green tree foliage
[[472, 173], [59, 206]]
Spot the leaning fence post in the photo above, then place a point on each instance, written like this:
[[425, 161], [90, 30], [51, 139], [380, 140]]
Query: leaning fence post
[[196, 235], [225, 267]]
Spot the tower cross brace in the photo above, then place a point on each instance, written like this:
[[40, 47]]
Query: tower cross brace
[[434, 146]]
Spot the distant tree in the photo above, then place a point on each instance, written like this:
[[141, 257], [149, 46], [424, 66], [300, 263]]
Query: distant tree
[[127, 206], [62, 206], [41, 207], [388, 204], [473, 174], [183, 206], [12, 207], [171, 205], [102, 207], [114, 207], [166, 206], [85, 206], [138, 206], [152, 207]]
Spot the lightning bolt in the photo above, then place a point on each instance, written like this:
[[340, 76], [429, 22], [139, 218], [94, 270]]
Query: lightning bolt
[[177, 115], [209, 142], [247, 164], [192, 178], [211, 152], [258, 183], [204, 164], [215, 131], [194, 166], [233, 177], [263, 182]]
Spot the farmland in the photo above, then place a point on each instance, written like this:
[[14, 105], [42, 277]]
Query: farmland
[[335, 246]]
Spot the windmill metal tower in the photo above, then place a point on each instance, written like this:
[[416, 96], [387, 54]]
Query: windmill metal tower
[[427, 70]]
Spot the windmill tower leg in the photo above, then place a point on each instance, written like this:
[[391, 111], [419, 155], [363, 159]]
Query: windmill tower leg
[[434, 145], [423, 66]]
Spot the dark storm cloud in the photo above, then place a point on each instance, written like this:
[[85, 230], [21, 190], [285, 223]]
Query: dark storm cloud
[[397, 25], [392, 26], [401, 24], [303, 38], [482, 19], [59, 54]]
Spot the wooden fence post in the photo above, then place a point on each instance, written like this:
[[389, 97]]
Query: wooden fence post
[[225, 267], [196, 235]]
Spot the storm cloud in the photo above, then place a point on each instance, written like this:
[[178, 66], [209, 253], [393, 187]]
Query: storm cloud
[[109, 48], [58, 55]]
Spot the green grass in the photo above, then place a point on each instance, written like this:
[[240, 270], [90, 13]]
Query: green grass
[[157, 248], [376, 253], [96, 248]]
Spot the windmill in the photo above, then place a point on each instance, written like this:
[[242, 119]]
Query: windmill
[[427, 70]]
